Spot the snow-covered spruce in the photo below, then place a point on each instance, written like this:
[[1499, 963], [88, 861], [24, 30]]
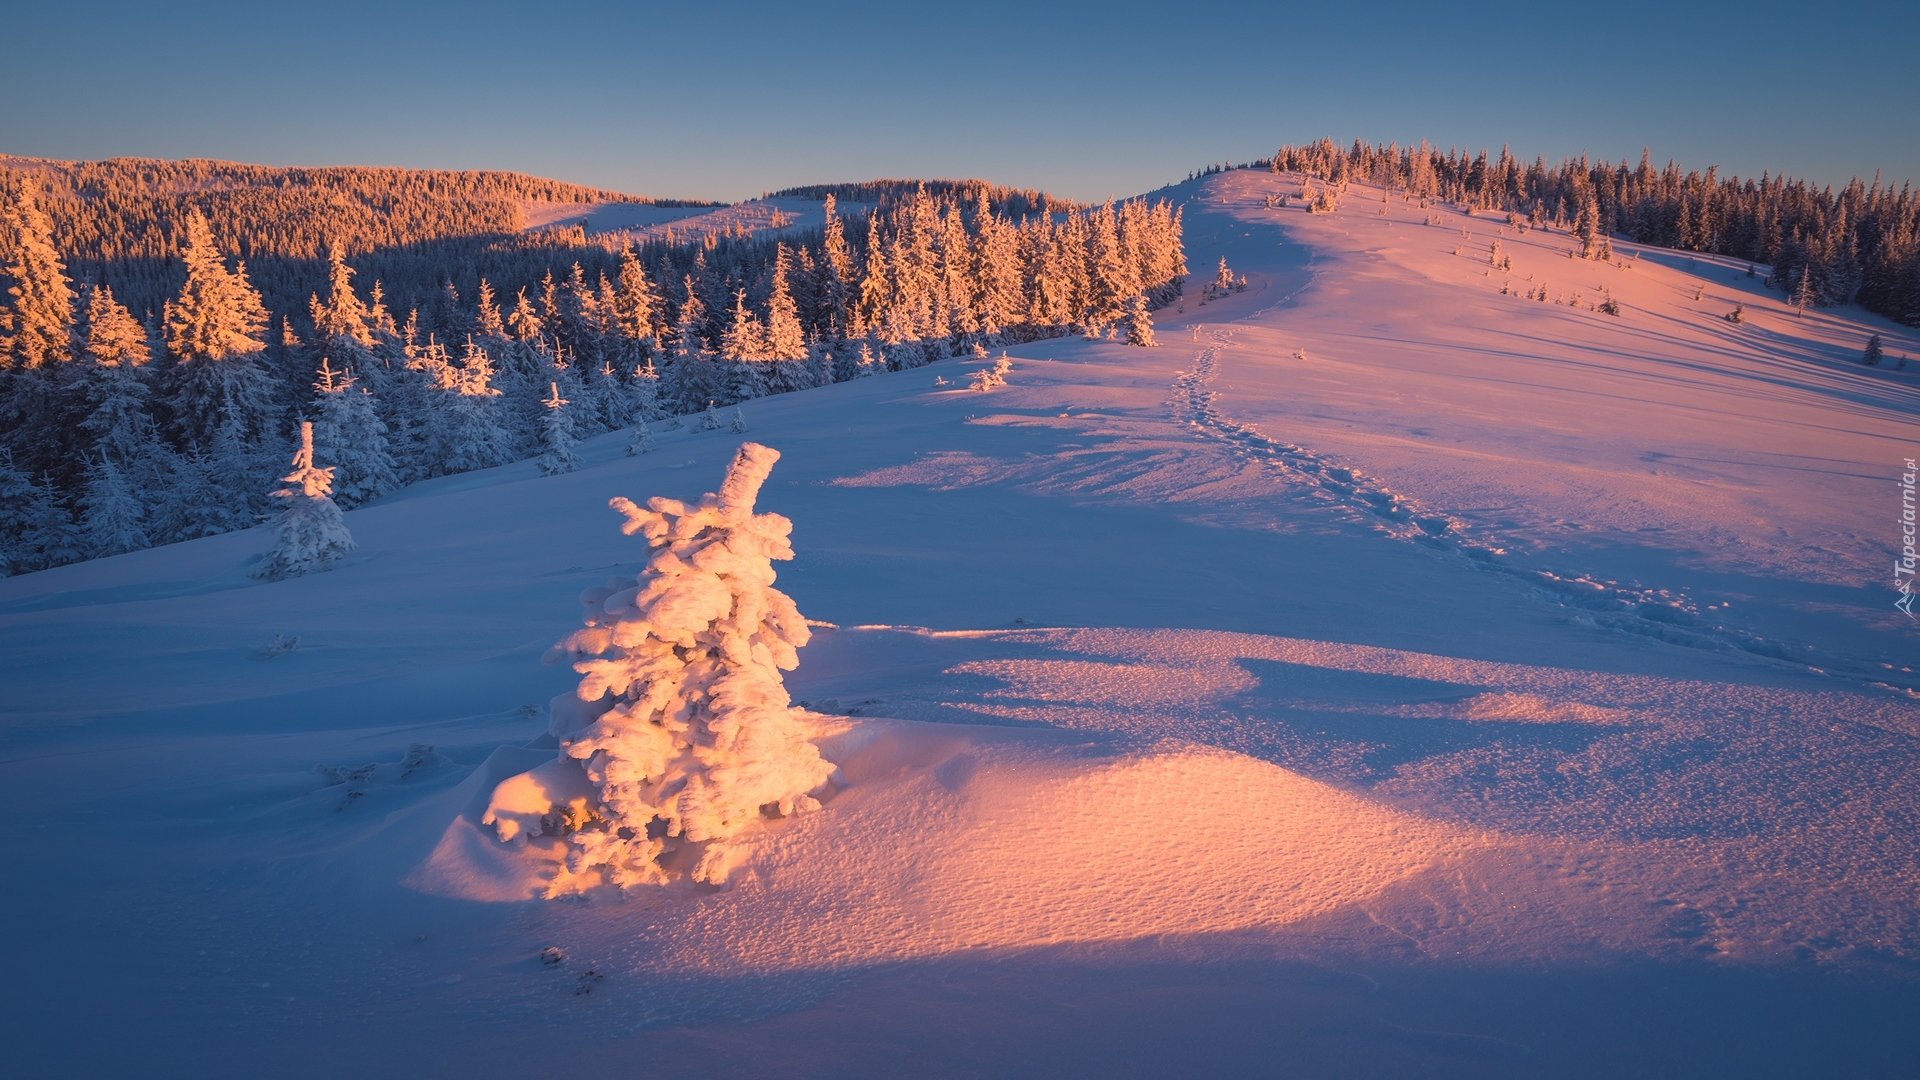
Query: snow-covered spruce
[[311, 535], [642, 441], [680, 720], [738, 425], [1139, 323], [556, 436]]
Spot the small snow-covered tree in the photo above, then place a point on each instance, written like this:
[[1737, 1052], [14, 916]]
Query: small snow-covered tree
[[710, 420], [557, 436], [642, 442], [1804, 295], [1139, 323], [681, 720], [988, 378], [1874, 352], [738, 424], [311, 537]]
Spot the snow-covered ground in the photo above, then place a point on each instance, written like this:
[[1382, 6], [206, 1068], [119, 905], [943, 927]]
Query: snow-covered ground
[[1384, 674], [637, 223]]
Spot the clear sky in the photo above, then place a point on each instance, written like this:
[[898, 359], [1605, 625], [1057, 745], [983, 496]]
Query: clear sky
[[725, 101]]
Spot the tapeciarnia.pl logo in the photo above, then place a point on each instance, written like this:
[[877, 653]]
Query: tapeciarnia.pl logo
[[1903, 566]]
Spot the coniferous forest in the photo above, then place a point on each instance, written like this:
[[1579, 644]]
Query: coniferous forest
[[169, 326]]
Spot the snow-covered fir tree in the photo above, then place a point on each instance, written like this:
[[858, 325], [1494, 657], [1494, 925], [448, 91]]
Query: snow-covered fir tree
[[36, 319], [738, 423], [350, 434], [309, 534], [557, 436], [1139, 322], [643, 394], [681, 720], [192, 503], [111, 381], [110, 512], [461, 429], [16, 506], [214, 334], [642, 441], [47, 534]]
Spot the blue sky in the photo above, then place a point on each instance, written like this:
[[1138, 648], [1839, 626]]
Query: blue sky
[[1084, 100]]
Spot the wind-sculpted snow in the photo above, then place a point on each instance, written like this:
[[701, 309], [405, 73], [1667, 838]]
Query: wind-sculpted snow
[[1665, 614], [1807, 798]]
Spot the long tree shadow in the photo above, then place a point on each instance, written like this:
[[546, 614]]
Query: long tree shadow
[[1359, 727]]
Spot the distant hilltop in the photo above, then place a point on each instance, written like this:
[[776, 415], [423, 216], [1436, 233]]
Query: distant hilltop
[[120, 220]]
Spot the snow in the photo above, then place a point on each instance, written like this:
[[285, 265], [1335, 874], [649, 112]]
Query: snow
[[637, 223], [1344, 683]]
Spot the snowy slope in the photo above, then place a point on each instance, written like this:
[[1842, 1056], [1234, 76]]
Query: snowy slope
[[1342, 684], [636, 223]]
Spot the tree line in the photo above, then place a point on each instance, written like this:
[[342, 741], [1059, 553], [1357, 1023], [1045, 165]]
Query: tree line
[[122, 431], [121, 222], [1860, 244]]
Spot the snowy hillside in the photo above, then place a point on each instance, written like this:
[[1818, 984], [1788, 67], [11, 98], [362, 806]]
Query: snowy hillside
[[1388, 672], [618, 223]]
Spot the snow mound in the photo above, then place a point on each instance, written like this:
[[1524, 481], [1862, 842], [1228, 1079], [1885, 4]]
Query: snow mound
[[957, 837]]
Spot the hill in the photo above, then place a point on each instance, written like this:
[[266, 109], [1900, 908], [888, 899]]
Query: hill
[[1404, 666], [120, 222]]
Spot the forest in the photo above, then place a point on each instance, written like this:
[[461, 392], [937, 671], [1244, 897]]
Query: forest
[[124, 430], [166, 326]]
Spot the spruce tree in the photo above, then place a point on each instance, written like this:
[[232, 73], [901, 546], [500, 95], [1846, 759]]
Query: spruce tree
[[1139, 323], [16, 503], [642, 441], [114, 519], [350, 434], [113, 388], [643, 393], [784, 338], [1586, 226], [309, 534], [49, 537], [214, 334], [1874, 352], [557, 436], [1804, 295], [469, 435], [192, 504], [680, 718], [36, 320]]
